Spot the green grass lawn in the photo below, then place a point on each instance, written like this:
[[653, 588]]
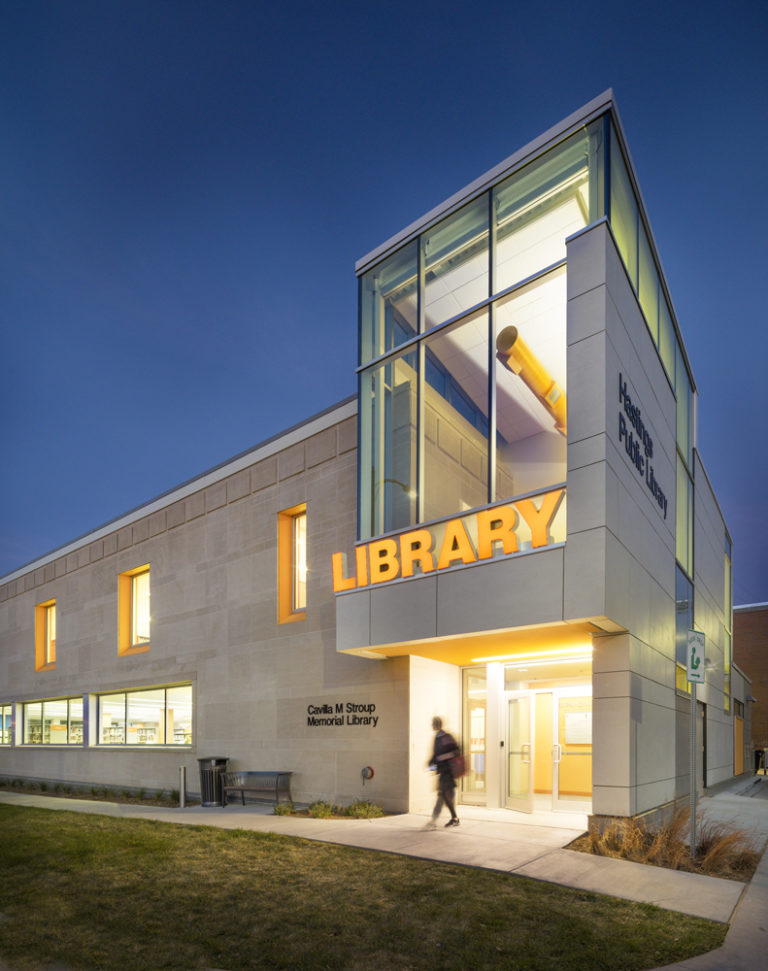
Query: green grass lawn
[[91, 892]]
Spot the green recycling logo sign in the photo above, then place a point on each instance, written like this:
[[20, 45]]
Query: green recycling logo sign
[[696, 659]]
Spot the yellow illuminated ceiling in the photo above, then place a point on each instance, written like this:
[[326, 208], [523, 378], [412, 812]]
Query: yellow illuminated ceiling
[[564, 644]]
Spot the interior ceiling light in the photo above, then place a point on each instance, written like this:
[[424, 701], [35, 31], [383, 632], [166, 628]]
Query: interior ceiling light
[[538, 664], [556, 653]]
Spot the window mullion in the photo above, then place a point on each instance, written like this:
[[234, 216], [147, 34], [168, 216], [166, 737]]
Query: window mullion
[[491, 405], [420, 386], [420, 360], [491, 355]]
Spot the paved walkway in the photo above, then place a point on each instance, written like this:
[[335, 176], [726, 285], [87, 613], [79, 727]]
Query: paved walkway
[[531, 847]]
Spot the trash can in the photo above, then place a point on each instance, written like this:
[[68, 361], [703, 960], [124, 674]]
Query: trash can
[[210, 780]]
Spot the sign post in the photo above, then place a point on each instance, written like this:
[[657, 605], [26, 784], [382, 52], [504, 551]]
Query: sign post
[[696, 668]]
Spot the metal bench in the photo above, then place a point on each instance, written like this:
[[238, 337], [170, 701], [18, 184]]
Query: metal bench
[[274, 784]]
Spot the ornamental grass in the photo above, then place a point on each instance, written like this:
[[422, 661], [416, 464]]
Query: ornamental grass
[[721, 850]]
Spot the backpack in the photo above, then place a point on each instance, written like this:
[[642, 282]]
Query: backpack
[[458, 766]]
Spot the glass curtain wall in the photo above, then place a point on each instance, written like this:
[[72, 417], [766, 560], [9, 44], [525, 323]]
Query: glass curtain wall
[[455, 417], [633, 242], [389, 307], [463, 346], [530, 381], [388, 445], [683, 623], [462, 341]]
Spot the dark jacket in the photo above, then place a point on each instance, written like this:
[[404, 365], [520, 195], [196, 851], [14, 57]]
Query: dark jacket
[[445, 749]]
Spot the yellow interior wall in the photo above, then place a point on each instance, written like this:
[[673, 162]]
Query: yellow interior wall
[[575, 774]]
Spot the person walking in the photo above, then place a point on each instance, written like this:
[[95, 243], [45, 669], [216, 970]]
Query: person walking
[[444, 751]]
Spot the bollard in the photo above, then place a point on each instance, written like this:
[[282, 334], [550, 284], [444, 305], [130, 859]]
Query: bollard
[[182, 787]]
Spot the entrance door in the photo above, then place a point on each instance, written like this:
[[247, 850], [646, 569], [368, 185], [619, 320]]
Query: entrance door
[[572, 752], [519, 747], [548, 744]]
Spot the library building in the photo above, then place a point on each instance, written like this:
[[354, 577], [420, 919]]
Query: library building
[[508, 526]]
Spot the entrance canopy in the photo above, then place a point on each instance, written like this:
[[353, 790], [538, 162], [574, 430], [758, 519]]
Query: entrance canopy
[[552, 650]]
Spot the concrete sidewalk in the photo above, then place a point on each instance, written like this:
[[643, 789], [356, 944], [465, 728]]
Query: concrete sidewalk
[[527, 846]]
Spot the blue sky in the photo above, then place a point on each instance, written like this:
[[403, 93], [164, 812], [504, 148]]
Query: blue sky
[[185, 188]]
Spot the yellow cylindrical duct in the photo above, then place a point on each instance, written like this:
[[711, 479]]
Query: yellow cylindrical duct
[[515, 354]]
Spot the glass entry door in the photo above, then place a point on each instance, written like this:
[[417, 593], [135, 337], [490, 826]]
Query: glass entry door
[[519, 749], [572, 751], [548, 745]]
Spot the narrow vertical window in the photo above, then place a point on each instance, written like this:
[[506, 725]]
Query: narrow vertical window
[[292, 564], [299, 565], [140, 609], [45, 636], [684, 523], [50, 634], [133, 611]]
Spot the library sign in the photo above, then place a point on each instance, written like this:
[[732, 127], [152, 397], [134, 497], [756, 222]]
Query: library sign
[[513, 527], [341, 713], [638, 444]]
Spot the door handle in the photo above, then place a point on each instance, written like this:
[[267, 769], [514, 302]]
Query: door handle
[[557, 752]]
